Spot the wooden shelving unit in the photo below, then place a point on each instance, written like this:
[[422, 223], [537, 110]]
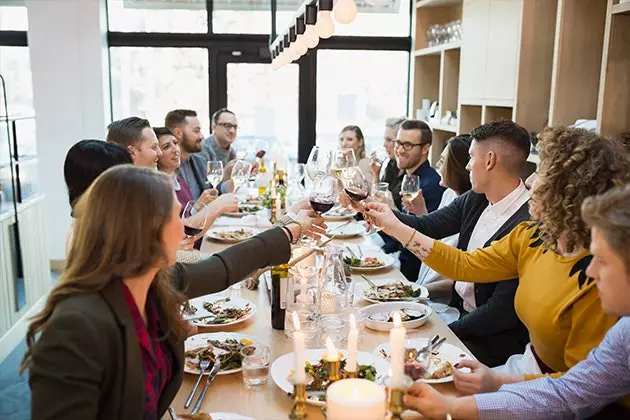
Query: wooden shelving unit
[[496, 113], [469, 117], [577, 62], [621, 8], [436, 50]]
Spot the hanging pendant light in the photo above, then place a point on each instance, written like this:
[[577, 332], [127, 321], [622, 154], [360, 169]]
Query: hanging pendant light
[[345, 11], [311, 39], [325, 26]]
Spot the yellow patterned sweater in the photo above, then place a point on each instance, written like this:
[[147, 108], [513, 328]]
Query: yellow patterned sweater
[[555, 299]]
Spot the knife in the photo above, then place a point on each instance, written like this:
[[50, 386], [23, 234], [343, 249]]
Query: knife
[[211, 376]]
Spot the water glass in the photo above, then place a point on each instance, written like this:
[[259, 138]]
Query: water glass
[[255, 365], [335, 328]]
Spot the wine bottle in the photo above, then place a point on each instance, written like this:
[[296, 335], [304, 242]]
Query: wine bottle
[[263, 177], [279, 281]]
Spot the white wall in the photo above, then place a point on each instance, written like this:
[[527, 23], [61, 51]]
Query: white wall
[[68, 49]]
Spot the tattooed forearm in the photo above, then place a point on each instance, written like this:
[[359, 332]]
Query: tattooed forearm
[[419, 249]]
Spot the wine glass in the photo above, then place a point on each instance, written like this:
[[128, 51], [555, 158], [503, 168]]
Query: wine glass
[[357, 188], [298, 174], [194, 219], [240, 173], [241, 152], [380, 191], [343, 159], [215, 172], [410, 187], [318, 163], [324, 194]]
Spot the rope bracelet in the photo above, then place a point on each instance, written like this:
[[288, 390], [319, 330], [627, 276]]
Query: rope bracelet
[[413, 235]]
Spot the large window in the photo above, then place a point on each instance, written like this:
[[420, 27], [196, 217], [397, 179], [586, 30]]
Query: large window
[[157, 16], [15, 67], [13, 17], [359, 88], [266, 103], [149, 82]]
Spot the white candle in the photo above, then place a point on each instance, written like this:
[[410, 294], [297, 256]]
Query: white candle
[[278, 206], [299, 374], [355, 399], [333, 354], [397, 349], [353, 338]]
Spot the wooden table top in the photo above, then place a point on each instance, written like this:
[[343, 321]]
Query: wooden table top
[[228, 394]]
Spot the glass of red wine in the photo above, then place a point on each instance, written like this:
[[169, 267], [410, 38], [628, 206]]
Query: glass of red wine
[[324, 194], [194, 219], [357, 187]]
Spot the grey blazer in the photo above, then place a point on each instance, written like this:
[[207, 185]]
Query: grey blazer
[[87, 363]]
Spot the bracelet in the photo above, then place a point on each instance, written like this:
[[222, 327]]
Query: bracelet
[[288, 231], [299, 235], [413, 235], [285, 221]]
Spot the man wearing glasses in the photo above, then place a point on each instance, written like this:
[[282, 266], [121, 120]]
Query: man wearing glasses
[[218, 146], [411, 149]]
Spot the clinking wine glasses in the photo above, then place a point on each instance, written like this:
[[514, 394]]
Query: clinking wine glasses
[[343, 159], [215, 172], [194, 219], [357, 188], [324, 194], [240, 173], [319, 163]]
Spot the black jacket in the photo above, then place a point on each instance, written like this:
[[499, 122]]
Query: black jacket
[[87, 363], [492, 331]]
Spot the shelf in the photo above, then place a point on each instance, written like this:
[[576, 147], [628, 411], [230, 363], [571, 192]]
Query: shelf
[[436, 3], [533, 158], [436, 50], [618, 9], [444, 127]]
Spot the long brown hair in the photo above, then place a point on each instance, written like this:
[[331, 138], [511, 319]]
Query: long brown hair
[[117, 234], [574, 164], [456, 176], [359, 134]]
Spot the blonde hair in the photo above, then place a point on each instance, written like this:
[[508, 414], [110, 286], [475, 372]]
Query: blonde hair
[[574, 164], [117, 234], [359, 134]]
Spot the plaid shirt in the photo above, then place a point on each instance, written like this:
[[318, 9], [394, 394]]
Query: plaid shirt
[[157, 356]]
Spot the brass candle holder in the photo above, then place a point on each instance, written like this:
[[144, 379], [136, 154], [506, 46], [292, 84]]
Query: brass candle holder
[[332, 367], [298, 411], [395, 398], [351, 375]]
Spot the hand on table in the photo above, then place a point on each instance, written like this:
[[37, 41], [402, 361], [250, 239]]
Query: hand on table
[[427, 401], [480, 379], [416, 206]]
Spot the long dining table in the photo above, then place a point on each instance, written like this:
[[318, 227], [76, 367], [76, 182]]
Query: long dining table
[[227, 394]]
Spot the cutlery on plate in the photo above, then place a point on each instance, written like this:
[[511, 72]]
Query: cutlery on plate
[[370, 282], [339, 227], [352, 254], [360, 251], [172, 413], [211, 376], [437, 345], [203, 365]]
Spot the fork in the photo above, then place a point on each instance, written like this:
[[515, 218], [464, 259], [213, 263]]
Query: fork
[[360, 251], [352, 254], [370, 282], [203, 365]]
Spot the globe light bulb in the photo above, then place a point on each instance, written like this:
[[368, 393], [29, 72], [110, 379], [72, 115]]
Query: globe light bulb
[[345, 11], [293, 53], [325, 26], [310, 37], [300, 45]]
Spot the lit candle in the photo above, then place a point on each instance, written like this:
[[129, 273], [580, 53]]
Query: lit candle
[[333, 354], [355, 399], [397, 349], [299, 374], [353, 338]]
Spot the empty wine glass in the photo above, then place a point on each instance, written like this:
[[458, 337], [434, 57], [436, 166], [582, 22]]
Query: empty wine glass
[[240, 173], [194, 219], [318, 163], [215, 172], [298, 174], [410, 187], [343, 159]]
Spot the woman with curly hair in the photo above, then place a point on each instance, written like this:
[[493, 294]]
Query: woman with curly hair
[[555, 299]]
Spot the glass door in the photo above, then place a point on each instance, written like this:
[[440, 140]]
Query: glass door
[[265, 101]]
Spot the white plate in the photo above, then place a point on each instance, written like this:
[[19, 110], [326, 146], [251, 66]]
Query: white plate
[[281, 368], [245, 213], [201, 340], [347, 231], [235, 302], [386, 259], [395, 306], [447, 352], [333, 215], [424, 294], [214, 234]]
